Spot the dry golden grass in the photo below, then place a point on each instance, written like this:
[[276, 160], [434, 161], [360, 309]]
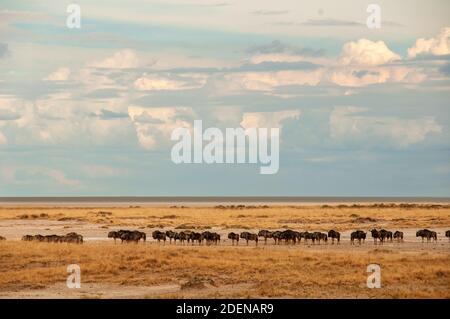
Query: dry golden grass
[[253, 272], [304, 217]]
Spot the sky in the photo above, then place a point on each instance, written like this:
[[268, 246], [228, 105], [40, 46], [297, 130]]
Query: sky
[[89, 111]]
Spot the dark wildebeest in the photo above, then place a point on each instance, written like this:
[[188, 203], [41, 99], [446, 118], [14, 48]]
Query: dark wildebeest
[[447, 234], [72, 238], [385, 234], [181, 236], [113, 234], [276, 235], [311, 236], [334, 235], [289, 236], [27, 238], [266, 234], [135, 236], [234, 237], [53, 239], [302, 235], [216, 238], [172, 235], [2, 238], [249, 236], [428, 234], [322, 236], [159, 235], [359, 235], [211, 237], [188, 234], [196, 237], [398, 235], [376, 235], [131, 235]]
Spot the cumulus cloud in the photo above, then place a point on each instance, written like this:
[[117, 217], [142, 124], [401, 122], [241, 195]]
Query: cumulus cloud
[[268, 119], [155, 125], [357, 77], [61, 74], [124, 59], [366, 52], [58, 119], [38, 174], [277, 46], [349, 124], [440, 45], [180, 82], [266, 81]]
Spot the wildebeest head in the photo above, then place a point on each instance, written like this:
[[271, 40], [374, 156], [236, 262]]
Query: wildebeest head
[[113, 234]]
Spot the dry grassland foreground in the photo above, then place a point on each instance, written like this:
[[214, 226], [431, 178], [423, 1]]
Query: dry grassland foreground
[[151, 270]]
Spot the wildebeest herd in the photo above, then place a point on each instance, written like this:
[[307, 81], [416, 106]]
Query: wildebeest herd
[[287, 237], [187, 236], [68, 238], [128, 235]]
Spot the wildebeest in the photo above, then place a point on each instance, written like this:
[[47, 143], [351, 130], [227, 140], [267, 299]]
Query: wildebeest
[[276, 235], [386, 234], [181, 236], [113, 234], [311, 236], [27, 238], [378, 234], [159, 235], [211, 237], [72, 238], [447, 234], [358, 235], [249, 236], [321, 236], [172, 235], [2, 238], [266, 234], [334, 235], [289, 236], [128, 235], [68, 238], [234, 237], [194, 236], [398, 235], [428, 234]]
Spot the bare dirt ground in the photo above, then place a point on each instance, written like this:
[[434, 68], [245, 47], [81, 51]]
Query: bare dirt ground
[[411, 269]]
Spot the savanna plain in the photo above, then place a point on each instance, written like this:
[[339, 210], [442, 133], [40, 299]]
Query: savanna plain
[[409, 269]]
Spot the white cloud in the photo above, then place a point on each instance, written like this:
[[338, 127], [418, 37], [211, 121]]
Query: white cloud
[[61, 74], [357, 77], [440, 45], [266, 81], [155, 125], [61, 178], [366, 52], [348, 124], [158, 82], [125, 59], [100, 171], [268, 119], [276, 57]]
